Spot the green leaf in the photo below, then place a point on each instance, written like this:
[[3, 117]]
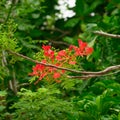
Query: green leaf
[[93, 6], [91, 27], [69, 40], [91, 44], [33, 79], [25, 26], [2, 108], [29, 45], [3, 93], [72, 22], [119, 116], [68, 85], [98, 102], [80, 7], [91, 109], [35, 15]]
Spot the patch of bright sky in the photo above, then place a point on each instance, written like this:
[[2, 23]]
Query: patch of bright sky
[[64, 11]]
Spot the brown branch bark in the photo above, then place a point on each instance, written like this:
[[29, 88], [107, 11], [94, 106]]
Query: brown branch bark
[[106, 34], [47, 65], [106, 70], [59, 42], [93, 75], [85, 74]]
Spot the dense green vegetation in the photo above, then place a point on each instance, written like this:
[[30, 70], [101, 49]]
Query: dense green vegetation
[[26, 25]]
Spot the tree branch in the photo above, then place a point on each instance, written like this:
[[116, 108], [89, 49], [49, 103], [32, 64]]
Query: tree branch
[[85, 74], [106, 34], [94, 75], [47, 65], [59, 42], [10, 11], [106, 70]]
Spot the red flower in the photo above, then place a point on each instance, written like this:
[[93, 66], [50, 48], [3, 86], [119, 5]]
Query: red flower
[[46, 47], [44, 61], [82, 50], [71, 47], [59, 58], [48, 52], [42, 76], [78, 52], [63, 71], [34, 73], [38, 67], [88, 50], [72, 62], [82, 45], [56, 75], [51, 69], [62, 53], [57, 64]]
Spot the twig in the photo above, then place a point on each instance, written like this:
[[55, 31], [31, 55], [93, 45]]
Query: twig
[[10, 11], [23, 84], [106, 34], [59, 43], [91, 76], [85, 74], [57, 30], [106, 70]]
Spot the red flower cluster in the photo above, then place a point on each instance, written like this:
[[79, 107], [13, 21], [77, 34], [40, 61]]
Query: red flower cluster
[[82, 50], [39, 70], [61, 58], [48, 52]]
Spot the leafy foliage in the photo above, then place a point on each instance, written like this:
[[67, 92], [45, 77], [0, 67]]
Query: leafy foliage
[[104, 105], [42, 104], [25, 26], [7, 40]]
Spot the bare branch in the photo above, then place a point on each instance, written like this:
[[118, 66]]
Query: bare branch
[[85, 74], [106, 70], [106, 34], [23, 84], [94, 75], [47, 65], [57, 30], [59, 42]]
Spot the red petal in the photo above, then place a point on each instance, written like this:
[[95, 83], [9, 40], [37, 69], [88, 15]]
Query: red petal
[[88, 50], [63, 71], [82, 44], [72, 62], [46, 47], [62, 53], [56, 75]]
